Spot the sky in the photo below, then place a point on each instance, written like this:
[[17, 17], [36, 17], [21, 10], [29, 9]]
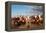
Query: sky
[[25, 10]]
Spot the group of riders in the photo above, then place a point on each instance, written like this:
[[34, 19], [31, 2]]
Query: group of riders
[[18, 21]]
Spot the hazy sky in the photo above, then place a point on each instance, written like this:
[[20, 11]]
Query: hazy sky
[[26, 10]]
